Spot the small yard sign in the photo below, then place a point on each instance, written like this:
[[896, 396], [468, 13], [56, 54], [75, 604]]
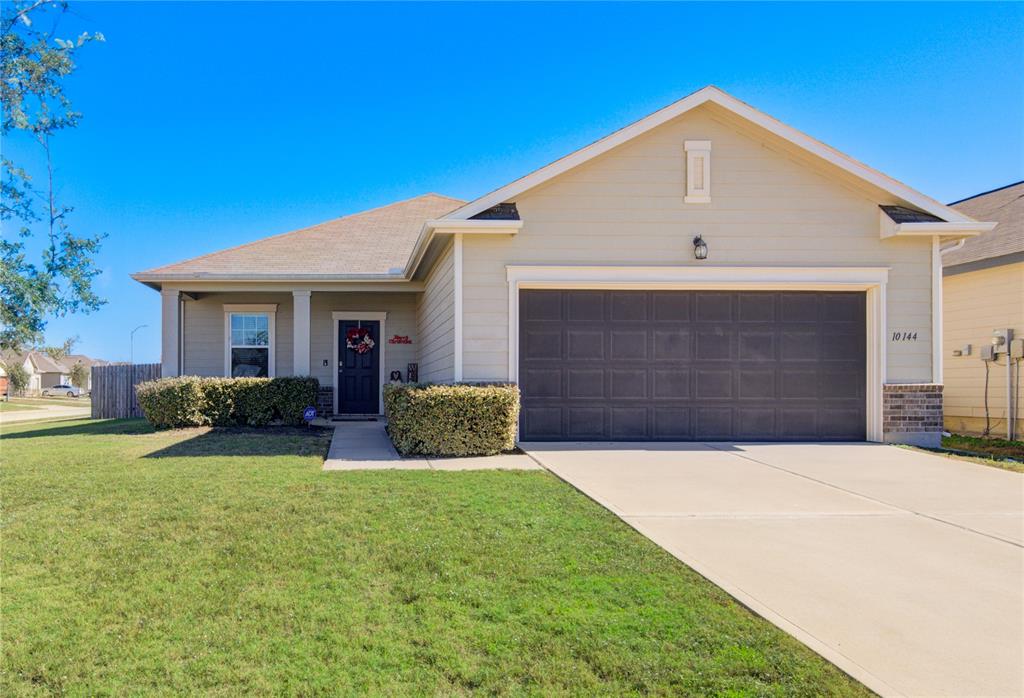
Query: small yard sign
[[309, 414]]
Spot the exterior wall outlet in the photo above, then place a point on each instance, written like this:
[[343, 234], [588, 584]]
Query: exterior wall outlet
[[1017, 349]]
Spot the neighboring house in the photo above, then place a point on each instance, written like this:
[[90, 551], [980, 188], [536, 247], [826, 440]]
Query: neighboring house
[[50, 371], [983, 286], [71, 359], [25, 360], [811, 318]]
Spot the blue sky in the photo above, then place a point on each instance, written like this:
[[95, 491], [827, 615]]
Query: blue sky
[[207, 125]]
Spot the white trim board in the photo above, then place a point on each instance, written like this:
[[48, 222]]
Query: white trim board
[[871, 280], [336, 317], [268, 309], [726, 101]]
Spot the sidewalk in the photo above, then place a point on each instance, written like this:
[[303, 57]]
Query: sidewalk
[[44, 413], [366, 446]]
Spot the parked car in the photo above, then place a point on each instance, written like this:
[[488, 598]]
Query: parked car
[[62, 389]]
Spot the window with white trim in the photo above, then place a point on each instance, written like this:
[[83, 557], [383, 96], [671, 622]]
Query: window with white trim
[[249, 350]]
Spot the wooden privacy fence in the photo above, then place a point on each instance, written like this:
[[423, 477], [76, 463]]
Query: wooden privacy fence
[[113, 389]]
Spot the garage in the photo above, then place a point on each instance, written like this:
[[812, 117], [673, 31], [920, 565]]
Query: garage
[[667, 365]]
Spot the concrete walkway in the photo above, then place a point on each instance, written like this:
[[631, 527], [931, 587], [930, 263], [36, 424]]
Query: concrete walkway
[[366, 446], [44, 413], [903, 568]]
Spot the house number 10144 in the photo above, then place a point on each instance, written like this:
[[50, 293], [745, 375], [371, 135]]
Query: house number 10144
[[904, 336]]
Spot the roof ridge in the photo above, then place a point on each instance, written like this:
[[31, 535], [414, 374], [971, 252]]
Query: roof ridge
[[292, 232], [990, 191]]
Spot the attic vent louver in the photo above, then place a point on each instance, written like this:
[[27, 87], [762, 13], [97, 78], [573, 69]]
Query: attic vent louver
[[698, 172]]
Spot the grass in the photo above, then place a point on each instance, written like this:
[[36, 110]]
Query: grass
[[989, 451], [12, 406], [62, 400], [228, 562]]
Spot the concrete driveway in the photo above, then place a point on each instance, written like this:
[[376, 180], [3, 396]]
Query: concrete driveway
[[903, 568]]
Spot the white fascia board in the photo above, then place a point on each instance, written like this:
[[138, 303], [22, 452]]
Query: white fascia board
[[444, 226], [958, 229], [742, 109]]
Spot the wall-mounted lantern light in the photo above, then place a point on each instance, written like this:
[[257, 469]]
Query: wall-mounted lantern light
[[700, 248]]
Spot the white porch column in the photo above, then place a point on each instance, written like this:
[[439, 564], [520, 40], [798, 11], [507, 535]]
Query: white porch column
[[170, 332], [300, 333]]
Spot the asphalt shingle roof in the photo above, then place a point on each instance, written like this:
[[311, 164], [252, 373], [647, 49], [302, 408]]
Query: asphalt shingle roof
[[1006, 207], [375, 242], [902, 214]]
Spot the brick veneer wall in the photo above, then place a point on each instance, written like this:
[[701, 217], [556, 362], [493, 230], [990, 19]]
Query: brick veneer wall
[[912, 413], [325, 401]]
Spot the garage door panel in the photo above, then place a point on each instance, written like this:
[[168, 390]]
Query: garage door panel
[[629, 423], [757, 384], [541, 382], [714, 307], [542, 306], [629, 307], [584, 345], [672, 344], [628, 345], [586, 423], [670, 306], [542, 343], [714, 424], [542, 422], [586, 306], [756, 307], [756, 345], [585, 383], [692, 365], [627, 384]]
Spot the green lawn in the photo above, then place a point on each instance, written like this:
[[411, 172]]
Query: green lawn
[[15, 406], [230, 563]]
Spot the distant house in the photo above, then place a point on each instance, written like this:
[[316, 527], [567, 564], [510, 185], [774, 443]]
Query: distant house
[[45, 371], [983, 289], [72, 359]]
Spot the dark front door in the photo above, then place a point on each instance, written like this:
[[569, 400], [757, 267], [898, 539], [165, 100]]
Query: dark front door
[[358, 372], [692, 366]]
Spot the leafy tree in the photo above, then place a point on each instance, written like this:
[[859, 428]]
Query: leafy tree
[[80, 375], [58, 279], [18, 377], [58, 353]]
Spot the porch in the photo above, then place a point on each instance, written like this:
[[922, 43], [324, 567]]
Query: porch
[[301, 332]]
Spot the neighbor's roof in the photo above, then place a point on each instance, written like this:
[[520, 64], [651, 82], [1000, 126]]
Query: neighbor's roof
[[373, 243], [44, 364], [1006, 207]]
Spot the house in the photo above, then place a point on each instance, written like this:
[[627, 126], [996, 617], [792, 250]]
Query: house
[[88, 362], [705, 273], [43, 371], [983, 286]]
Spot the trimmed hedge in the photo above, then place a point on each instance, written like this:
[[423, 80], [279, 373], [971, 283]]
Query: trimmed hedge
[[192, 401], [452, 420]]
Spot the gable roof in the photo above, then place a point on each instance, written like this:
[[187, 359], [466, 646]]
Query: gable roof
[[1005, 206], [45, 364], [373, 244], [711, 94]]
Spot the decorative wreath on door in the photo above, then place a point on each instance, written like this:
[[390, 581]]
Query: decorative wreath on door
[[358, 340]]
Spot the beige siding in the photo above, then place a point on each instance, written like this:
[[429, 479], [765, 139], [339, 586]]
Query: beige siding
[[203, 331], [436, 319], [974, 304], [770, 206], [401, 320]]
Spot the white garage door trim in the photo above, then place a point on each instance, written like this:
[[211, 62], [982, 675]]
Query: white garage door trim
[[872, 280]]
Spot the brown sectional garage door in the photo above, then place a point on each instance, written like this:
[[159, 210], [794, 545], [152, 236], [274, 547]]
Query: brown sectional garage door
[[691, 365]]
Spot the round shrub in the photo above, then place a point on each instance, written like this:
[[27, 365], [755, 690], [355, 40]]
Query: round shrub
[[452, 420]]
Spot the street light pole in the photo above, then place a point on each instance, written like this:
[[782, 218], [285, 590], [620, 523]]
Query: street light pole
[[131, 345]]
